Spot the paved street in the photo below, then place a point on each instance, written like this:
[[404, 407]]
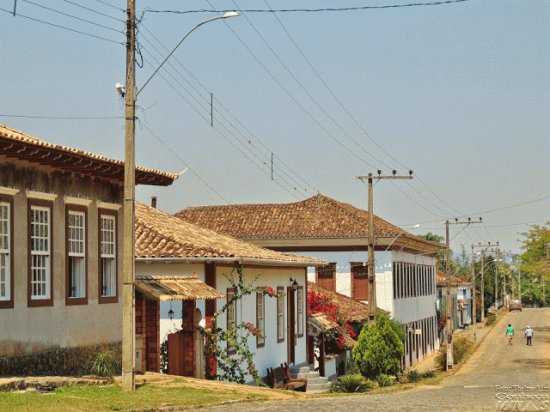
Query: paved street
[[497, 377]]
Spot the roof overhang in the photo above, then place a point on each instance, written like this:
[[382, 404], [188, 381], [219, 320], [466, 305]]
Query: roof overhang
[[345, 244], [26, 148], [168, 288], [319, 323], [229, 260]]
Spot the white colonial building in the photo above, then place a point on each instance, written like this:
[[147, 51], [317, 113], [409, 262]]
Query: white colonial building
[[336, 232]]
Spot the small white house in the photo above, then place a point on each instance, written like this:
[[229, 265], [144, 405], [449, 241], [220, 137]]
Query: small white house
[[168, 246]]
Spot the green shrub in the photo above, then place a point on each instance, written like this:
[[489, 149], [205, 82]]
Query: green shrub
[[489, 320], [461, 346], [104, 365], [428, 374], [384, 380], [351, 383], [413, 375], [351, 367], [379, 348]]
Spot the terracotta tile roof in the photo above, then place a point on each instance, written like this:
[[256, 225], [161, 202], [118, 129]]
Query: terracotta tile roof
[[159, 234], [455, 280], [321, 322], [166, 288], [352, 310], [16, 144], [318, 217]]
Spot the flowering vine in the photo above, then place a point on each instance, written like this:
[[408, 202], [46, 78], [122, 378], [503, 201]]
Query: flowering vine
[[228, 356], [336, 339]]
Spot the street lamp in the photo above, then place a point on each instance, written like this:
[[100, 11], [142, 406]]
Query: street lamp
[[128, 272]]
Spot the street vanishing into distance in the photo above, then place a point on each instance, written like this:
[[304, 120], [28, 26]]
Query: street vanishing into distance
[[497, 377]]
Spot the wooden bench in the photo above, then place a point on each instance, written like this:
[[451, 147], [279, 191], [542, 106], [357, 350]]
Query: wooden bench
[[279, 378]]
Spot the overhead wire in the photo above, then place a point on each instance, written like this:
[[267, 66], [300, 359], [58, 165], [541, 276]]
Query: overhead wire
[[310, 10], [25, 116], [191, 169], [219, 132], [94, 11], [353, 118], [64, 27], [247, 140], [110, 5], [72, 16], [305, 90]]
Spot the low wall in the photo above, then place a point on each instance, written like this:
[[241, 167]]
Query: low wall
[[58, 361]]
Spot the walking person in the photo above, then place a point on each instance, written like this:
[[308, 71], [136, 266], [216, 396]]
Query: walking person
[[529, 335], [510, 333]]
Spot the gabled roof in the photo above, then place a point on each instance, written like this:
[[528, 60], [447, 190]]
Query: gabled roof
[[16, 144], [351, 309], [160, 235], [455, 280], [318, 217]]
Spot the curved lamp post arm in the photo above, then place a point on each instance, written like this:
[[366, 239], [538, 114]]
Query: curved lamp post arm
[[223, 16]]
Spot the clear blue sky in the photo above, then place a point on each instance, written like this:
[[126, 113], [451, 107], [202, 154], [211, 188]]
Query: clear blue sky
[[459, 93]]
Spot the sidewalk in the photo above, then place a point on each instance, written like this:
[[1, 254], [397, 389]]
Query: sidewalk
[[474, 333]]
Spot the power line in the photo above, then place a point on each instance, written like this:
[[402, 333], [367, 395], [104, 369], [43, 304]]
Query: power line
[[305, 90], [72, 16], [110, 5], [63, 27], [146, 127], [24, 116], [348, 112], [305, 10], [247, 140], [94, 11]]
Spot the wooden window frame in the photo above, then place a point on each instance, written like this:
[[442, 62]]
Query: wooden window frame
[[353, 274], [68, 299], [8, 303], [260, 340], [280, 314], [107, 299], [47, 204], [230, 307], [322, 271], [300, 312]]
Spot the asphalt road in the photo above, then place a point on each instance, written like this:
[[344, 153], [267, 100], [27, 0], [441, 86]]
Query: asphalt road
[[496, 377]]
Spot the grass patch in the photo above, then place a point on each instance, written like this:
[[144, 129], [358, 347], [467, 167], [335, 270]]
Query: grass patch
[[112, 398]]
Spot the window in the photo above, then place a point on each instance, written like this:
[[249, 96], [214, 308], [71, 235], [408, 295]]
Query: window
[[280, 314], [107, 258], [231, 314], [76, 255], [40, 254], [300, 312], [360, 281], [260, 319], [326, 276], [6, 281]]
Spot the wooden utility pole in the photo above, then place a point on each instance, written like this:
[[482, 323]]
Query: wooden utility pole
[[370, 238], [482, 285], [128, 303], [448, 304]]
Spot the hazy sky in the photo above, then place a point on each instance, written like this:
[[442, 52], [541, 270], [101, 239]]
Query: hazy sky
[[459, 93]]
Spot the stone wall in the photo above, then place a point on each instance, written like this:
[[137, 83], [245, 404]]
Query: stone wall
[[59, 361]]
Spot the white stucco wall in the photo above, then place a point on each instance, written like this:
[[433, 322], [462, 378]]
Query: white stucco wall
[[272, 354]]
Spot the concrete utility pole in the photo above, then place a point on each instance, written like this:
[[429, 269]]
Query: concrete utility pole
[[496, 280], [482, 284], [370, 238], [128, 303], [448, 304]]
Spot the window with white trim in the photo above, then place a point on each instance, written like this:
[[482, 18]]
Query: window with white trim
[[40, 218], [107, 244], [280, 314], [300, 312], [260, 319], [76, 247], [5, 252]]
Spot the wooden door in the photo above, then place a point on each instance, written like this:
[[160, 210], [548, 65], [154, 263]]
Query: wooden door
[[291, 324], [359, 281]]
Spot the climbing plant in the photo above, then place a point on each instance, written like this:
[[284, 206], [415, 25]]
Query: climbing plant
[[228, 356]]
